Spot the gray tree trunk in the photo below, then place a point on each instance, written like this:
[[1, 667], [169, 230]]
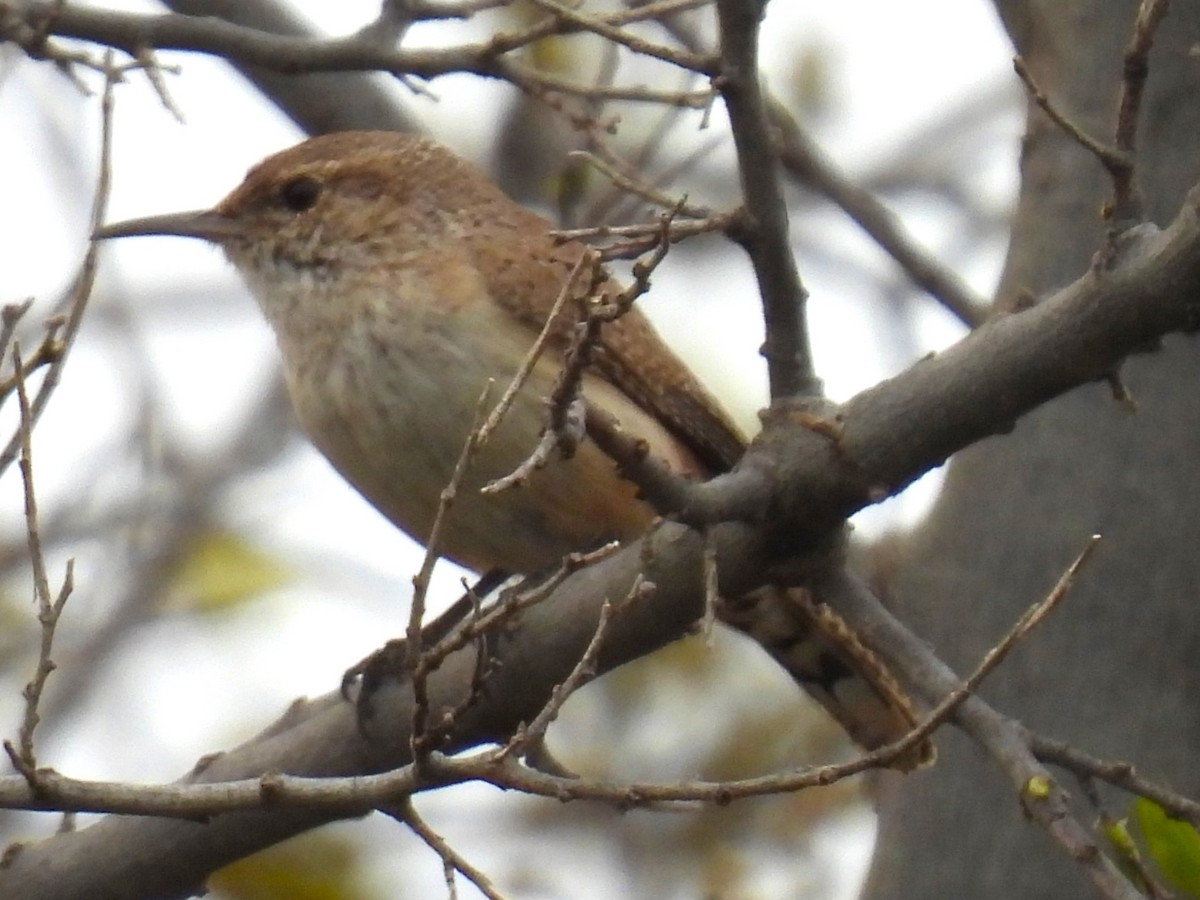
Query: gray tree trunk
[[1117, 670]]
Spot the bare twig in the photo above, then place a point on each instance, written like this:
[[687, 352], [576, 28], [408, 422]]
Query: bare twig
[[452, 860], [1003, 739], [513, 602], [542, 84], [805, 161], [664, 489], [631, 184], [1028, 620], [704, 65], [10, 316], [726, 791], [49, 351], [76, 300], [413, 640], [563, 437], [249, 46], [1118, 159], [565, 426], [149, 63], [568, 415], [802, 158], [1127, 196], [566, 406], [583, 671], [1110, 157], [477, 628], [763, 228], [535, 350], [436, 732], [641, 237], [49, 607], [1115, 772]]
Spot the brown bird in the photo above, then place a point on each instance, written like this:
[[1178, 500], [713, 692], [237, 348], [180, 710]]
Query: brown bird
[[399, 280]]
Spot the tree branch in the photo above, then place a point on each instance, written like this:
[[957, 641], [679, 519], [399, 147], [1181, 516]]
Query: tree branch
[[135, 34], [317, 102], [763, 230], [1005, 740]]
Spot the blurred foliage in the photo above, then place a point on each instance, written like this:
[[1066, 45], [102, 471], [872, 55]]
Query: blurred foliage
[[220, 570], [809, 79], [316, 866], [676, 715]]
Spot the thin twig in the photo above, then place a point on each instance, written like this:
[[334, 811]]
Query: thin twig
[[1115, 772], [784, 782], [148, 62], [1030, 619], [763, 230], [10, 316], [452, 860], [1118, 161], [568, 410], [413, 641], [563, 438], [804, 160], [581, 673], [606, 205], [49, 607], [512, 603], [541, 84], [436, 732], [76, 300], [643, 236], [1128, 207], [1001, 738], [661, 486], [703, 65], [535, 351], [1107, 155], [633, 185], [50, 350], [238, 44]]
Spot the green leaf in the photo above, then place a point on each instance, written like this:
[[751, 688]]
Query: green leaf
[[220, 570], [1173, 844], [320, 866]]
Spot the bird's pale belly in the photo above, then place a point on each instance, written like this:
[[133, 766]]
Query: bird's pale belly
[[394, 424]]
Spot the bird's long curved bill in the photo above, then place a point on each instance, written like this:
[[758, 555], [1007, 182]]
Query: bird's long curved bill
[[204, 224]]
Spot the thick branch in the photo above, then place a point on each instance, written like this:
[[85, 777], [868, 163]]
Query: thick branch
[[135, 34], [320, 102], [123, 858], [802, 157], [883, 439]]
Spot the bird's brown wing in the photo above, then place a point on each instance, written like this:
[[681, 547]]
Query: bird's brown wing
[[527, 274]]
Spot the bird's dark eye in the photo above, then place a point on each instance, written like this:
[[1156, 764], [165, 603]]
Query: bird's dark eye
[[300, 193]]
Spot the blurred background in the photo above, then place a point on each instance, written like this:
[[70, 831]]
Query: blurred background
[[222, 568]]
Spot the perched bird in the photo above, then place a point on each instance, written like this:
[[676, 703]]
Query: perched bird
[[398, 280]]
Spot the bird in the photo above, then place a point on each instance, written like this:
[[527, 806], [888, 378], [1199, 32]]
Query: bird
[[399, 280]]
